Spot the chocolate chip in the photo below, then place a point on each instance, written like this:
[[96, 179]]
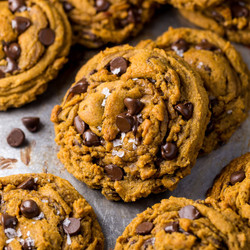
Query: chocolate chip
[[80, 125], [46, 36], [12, 51], [172, 227], [20, 24], [8, 221], [15, 5], [118, 66], [205, 45], [210, 127], [11, 66], [134, 106], [28, 184], [72, 226], [80, 87], [2, 75], [237, 176], [92, 72], [29, 209], [90, 139], [184, 232], [134, 16], [239, 10], [16, 138], [147, 243], [124, 122], [217, 16], [31, 123], [28, 245], [101, 5], [169, 151], [180, 45], [144, 228], [114, 172], [185, 109], [189, 212], [67, 6]]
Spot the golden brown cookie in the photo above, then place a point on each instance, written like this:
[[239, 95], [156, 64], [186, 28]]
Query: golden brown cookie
[[192, 4], [132, 123], [223, 71], [232, 186], [98, 22], [179, 223], [35, 40], [42, 211]]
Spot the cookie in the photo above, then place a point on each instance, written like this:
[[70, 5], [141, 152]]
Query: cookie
[[35, 40], [179, 223], [42, 211], [224, 73], [132, 123], [193, 4], [232, 186], [96, 23], [230, 19]]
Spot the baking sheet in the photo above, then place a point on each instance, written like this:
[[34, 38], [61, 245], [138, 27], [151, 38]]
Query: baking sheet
[[39, 153]]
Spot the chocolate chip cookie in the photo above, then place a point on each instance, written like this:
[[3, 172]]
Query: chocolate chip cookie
[[42, 211], [224, 73], [193, 4], [230, 19], [132, 123], [98, 22], [179, 223], [35, 40], [232, 186]]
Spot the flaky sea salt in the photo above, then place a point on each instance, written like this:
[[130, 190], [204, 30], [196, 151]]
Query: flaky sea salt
[[118, 153], [39, 217], [200, 64], [117, 143], [44, 201], [9, 240], [30, 242], [134, 143], [229, 112], [35, 180], [66, 222], [99, 128], [68, 240], [134, 79], [107, 93], [116, 71]]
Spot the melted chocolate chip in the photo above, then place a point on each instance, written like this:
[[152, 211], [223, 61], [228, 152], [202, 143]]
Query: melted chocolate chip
[[210, 127], [20, 24], [172, 227], [217, 16], [239, 10], [29, 209], [169, 151], [11, 66], [180, 45], [67, 6], [134, 106], [16, 138], [80, 125], [189, 212], [237, 176], [31, 123], [185, 109], [90, 139], [147, 243], [205, 45], [12, 51], [144, 228], [80, 87], [118, 66], [15, 5], [133, 16], [28, 184], [72, 226], [101, 5], [8, 221], [47, 36], [124, 122], [114, 172]]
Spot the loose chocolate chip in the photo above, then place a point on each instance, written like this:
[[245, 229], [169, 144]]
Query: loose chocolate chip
[[217, 16], [180, 45], [80, 125], [12, 51], [11, 66], [114, 172], [144, 228], [124, 122], [8, 221], [67, 6], [80, 87], [169, 151], [20, 24], [189, 212], [90, 139], [118, 66], [172, 227], [101, 5], [237, 176], [239, 10], [72, 226], [2, 75], [185, 109], [134, 106], [205, 45], [31, 123], [29, 209], [28, 184], [15, 5], [16, 138], [147, 243], [46, 36]]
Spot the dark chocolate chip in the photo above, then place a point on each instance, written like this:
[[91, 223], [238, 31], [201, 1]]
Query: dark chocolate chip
[[210, 127], [28, 184], [12, 51], [101, 5], [180, 45], [20, 24], [80, 125], [172, 227], [72, 226], [67, 6], [134, 16], [31, 123], [237, 176], [92, 72], [124, 122], [29, 209], [184, 232], [47, 36], [189, 212], [90, 139], [144, 228], [135, 126], [16, 138], [169, 151], [114, 172], [11, 66], [134, 106], [239, 10], [80, 87], [185, 109], [205, 45], [8, 221], [147, 243], [15, 5], [217, 16], [118, 66], [28, 245]]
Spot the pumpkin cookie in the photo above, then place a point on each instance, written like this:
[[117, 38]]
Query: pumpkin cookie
[[232, 186], [98, 22], [179, 223], [133, 122], [223, 71], [35, 40], [42, 211]]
